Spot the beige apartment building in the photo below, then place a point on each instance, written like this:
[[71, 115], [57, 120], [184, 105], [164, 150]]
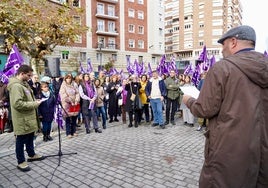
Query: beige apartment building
[[119, 29], [191, 24]]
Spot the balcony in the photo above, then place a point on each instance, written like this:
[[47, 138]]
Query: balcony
[[106, 16], [110, 1], [108, 33], [110, 47]]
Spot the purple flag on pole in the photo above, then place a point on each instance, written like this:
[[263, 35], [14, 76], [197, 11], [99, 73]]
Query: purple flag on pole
[[14, 58], [265, 53], [89, 66], [81, 68], [212, 61], [203, 55], [149, 70]]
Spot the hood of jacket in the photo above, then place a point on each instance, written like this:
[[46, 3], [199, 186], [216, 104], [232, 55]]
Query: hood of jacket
[[253, 64], [14, 80]]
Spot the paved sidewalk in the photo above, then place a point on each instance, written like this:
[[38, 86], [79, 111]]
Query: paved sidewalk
[[119, 157]]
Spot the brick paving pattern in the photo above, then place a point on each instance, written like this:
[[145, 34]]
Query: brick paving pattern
[[120, 157]]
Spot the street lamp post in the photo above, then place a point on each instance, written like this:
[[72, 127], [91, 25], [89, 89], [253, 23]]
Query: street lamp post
[[100, 47]]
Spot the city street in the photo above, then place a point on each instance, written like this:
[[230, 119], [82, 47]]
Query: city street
[[119, 157]]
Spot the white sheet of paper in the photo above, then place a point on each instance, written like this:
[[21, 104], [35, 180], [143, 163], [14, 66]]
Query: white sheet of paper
[[190, 90], [44, 99]]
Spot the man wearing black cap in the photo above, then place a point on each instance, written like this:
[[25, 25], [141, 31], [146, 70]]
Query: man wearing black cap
[[235, 100]]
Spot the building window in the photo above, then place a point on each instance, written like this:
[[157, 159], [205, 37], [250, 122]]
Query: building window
[[131, 1], [131, 43], [201, 25], [140, 2], [100, 25], [201, 43], [141, 30], [187, 26], [76, 3], [111, 26], [83, 56], [141, 44], [153, 60], [114, 57], [100, 8], [65, 54], [140, 15], [111, 10], [99, 57], [111, 43], [131, 28], [140, 59], [131, 13]]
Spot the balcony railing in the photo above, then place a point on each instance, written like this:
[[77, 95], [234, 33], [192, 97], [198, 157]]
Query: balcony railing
[[110, 1]]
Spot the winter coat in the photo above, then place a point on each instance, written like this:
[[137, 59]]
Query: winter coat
[[69, 95], [47, 108], [85, 98], [113, 98], [23, 107], [235, 99], [143, 96], [173, 88], [100, 96], [134, 87]]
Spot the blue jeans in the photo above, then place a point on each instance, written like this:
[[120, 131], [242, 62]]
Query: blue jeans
[[70, 125], [26, 139], [157, 107], [46, 126], [101, 110]]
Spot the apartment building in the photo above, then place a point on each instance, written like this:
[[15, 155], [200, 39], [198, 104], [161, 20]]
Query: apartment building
[[191, 24], [119, 29]]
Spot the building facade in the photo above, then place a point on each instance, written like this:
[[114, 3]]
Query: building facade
[[191, 24], [119, 29]]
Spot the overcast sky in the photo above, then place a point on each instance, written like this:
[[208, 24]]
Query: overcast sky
[[255, 14]]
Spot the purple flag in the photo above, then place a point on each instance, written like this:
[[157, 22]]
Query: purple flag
[[266, 53], [14, 58], [89, 66], [203, 55], [212, 61], [81, 68], [149, 70], [196, 75]]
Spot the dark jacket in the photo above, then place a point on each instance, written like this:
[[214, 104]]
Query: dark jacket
[[162, 87], [134, 87], [47, 108], [234, 98]]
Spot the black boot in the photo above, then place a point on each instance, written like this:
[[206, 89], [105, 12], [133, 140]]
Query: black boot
[[49, 138], [45, 137], [98, 131], [87, 131]]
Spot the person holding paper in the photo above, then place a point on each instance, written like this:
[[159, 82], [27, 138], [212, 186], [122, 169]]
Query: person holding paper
[[234, 98], [46, 110], [24, 116]]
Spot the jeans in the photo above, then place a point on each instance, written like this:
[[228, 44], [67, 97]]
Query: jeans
[[92, 114], [46, 126], [145, 109], [26, 139], [157, 107], [101, 111], [70, 125], [173, 104]]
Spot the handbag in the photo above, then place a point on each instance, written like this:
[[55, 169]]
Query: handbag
[[133, 96], [74, 108]]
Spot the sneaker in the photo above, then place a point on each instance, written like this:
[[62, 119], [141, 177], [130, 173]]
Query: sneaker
[[36, 157], [75, 134], [199, 128], [173, 123], [23, 167], [166, 123], [69, 136]]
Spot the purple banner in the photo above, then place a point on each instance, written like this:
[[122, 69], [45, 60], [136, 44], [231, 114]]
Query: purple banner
[[14, 58]]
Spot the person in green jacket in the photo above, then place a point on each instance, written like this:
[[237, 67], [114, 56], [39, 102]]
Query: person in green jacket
[[173, 93], [24, 116]]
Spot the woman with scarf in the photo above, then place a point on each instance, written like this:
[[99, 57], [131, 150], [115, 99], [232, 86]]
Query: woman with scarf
[[70, 98], [88, 94], [113, 98]]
